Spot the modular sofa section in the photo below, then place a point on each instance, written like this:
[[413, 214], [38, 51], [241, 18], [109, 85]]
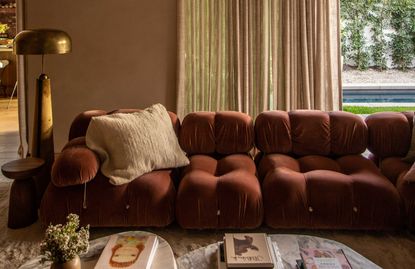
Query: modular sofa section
[[148, 200], [219, 189], [313, 174]]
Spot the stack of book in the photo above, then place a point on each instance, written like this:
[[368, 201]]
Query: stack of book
[[129, 251], [248, 250], [319, 258]]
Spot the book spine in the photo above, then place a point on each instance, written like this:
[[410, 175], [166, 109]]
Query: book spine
[[221, 256], [275, 254]]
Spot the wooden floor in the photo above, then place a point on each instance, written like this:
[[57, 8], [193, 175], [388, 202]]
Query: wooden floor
[[9, 132]]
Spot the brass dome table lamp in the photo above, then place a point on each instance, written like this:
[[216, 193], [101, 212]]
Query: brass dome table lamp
[[41, 42]]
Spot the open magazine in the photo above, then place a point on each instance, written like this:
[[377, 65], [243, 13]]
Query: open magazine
[[317, 258]]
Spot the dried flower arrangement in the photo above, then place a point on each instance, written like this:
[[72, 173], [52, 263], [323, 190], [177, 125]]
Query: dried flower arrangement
[[63, 243]]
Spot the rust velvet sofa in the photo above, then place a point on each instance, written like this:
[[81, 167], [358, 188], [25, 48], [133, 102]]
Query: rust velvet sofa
[[314, 176], [390, 136], [146, 201], [309, 173], [219, 189]]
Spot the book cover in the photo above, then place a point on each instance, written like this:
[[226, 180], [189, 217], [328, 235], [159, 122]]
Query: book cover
[[315, 258], [247, 250], [128, 251]]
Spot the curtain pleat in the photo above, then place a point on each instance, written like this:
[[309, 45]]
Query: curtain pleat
[[256, 55], [310, 38]]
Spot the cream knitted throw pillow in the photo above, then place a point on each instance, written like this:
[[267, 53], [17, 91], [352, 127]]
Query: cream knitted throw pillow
[[130, 145]]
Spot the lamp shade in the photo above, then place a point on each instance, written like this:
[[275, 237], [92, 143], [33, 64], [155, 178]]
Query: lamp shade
[[42, 41]]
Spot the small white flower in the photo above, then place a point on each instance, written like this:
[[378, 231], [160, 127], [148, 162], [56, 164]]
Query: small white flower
[[63, 242]]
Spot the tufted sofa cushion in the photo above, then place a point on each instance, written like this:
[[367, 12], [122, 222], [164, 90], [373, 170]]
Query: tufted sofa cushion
[[219, 189], [225, 132], [390, 133], [321, 180], [305, 132]]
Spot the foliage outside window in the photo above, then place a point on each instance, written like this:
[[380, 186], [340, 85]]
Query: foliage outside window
[[378, 19], [354, 46], [403, 22], [389, 25]]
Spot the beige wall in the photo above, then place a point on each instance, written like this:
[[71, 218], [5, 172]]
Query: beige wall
[[123, 56]]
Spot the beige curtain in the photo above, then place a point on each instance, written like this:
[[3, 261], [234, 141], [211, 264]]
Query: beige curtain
[[256, 55], [311, 71]]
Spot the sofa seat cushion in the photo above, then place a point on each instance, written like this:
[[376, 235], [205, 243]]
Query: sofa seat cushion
[[319, 192], [219, 193], [145, 201]]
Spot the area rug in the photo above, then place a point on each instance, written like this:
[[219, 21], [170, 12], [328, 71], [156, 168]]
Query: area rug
[[388, 250]]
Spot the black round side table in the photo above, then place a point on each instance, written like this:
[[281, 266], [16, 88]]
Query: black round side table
[[22, 202]]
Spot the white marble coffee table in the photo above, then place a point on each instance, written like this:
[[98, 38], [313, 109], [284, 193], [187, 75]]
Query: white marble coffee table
[[164, 258], [288, 244]]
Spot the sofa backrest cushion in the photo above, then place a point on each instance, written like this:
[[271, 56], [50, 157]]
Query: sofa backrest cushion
[[225, 132], [310, 132], [348, 133], [273, 132], [389, 133], [81, 122]]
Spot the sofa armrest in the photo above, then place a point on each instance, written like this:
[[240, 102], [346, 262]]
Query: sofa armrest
[[389, 134], [406, 188], [410, 175], [75, 165], [394, 168]]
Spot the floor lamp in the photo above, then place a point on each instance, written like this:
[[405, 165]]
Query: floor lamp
[[41, 42]]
